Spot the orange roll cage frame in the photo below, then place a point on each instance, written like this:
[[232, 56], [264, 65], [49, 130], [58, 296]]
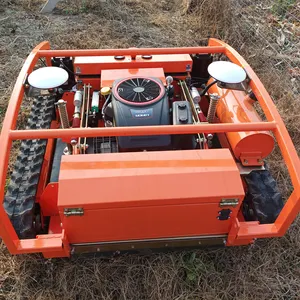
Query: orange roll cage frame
[[240, 231]]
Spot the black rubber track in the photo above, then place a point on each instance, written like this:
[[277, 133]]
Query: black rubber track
[[263, 201], [19, 201]]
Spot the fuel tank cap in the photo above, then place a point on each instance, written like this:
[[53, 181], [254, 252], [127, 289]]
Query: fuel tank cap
[[227, 72], [48, 77]]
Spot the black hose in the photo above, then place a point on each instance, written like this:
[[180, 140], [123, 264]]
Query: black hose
[[107, 101], [208, 87]]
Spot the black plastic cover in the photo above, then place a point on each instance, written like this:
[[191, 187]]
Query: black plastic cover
[[199, 72], [146, 115], [182, 115]]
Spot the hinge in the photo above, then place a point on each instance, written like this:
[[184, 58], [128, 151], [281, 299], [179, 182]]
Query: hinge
[[77, 211], [229, 202]]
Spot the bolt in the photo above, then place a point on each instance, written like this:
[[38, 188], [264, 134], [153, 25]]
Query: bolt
[[210, 136], [260, 161], [246, 162]]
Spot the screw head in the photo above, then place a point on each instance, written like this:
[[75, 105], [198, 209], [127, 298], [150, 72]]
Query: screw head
[[210, 136]]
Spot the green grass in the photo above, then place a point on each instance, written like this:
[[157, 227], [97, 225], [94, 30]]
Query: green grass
[[281, 7]]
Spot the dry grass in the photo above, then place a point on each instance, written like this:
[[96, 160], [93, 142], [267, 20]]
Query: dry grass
[[267, 270]]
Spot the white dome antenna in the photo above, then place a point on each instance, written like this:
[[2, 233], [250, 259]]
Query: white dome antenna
[[227, 72], [48, 77]]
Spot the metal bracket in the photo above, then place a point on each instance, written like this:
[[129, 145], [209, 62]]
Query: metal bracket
[[247, 170], [249, 160], [243, 86]]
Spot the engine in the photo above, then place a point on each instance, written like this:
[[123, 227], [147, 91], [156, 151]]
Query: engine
[[141, 101], [158, 90]]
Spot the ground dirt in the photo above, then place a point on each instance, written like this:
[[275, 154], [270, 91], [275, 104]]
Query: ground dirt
[[267, 33]]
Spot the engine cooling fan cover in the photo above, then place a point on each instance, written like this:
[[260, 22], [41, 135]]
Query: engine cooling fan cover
[[139, 91]]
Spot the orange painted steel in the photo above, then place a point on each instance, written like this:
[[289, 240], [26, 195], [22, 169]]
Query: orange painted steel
[[109, 76], [237, 107], [94, 65], [136, 210], [289, 153], [48, 199], [132, 51], [239, 233], [7, 232], [140, 130], [55, 225]]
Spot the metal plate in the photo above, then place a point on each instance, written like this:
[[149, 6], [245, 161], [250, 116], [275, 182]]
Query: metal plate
[[227, 72], [150, 244], [247, 170]]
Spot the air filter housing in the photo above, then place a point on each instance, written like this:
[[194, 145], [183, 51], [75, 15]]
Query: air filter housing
[[141, 101]]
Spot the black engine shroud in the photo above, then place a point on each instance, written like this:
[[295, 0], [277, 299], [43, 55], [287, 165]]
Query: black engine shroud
[[141, 102]]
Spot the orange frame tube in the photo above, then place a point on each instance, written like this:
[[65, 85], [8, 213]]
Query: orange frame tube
[[57, 244]]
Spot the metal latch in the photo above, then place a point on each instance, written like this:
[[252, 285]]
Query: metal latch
[[224, 214], [77, 211], [229, 202]]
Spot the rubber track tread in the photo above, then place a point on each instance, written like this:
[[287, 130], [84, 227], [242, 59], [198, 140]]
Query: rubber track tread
[[263, 196], [19, 201]]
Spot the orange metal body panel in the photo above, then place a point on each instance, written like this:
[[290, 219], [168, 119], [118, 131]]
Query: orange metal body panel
[[109, 76], [240, 232], [147, 194], [135, 223], [55, 225], [173, 63], [236, 107], [48, 199]]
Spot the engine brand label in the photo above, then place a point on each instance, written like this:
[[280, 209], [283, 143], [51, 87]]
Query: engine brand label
[[142, 113]]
